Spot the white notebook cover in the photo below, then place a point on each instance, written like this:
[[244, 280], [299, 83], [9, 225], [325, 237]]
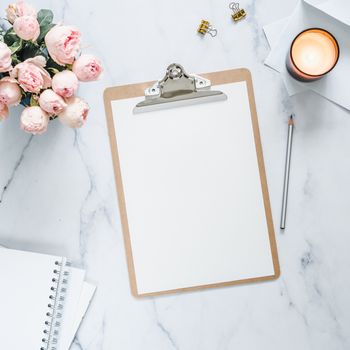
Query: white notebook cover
[[27, 279]]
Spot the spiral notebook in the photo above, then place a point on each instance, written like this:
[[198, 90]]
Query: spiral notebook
[[42, 300]]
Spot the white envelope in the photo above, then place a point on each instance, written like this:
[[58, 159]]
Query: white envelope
[[333, 16]]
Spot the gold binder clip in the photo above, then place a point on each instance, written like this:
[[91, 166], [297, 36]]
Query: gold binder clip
[[238, 13], [205, 27]]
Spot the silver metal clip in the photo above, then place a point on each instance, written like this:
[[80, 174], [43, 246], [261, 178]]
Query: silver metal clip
[[178, 88]]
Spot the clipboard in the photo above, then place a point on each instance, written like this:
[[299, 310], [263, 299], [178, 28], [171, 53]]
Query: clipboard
[[127, 92]]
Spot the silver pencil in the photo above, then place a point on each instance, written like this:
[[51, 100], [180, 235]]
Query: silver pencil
[[286, 172]]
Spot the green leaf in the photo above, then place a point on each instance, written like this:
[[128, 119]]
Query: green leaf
[[52, 70], [45, 17], [52, 64], [10, 37], [29, 50], [26, 99], [33, 101], [43, 31], [15, 59], [17, 45]]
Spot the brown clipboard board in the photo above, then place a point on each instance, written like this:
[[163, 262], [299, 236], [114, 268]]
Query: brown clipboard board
[[137, 90]]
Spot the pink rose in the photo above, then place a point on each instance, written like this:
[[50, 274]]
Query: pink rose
[[19, 9], [51, 103], [75, 114], [10, 93], [4, 111], [31, 75], [5, 58], [63, 44], [34, 120], [27, 28], [65, 83], [87, 68]]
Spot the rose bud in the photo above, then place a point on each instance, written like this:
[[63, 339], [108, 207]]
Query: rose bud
[[19, 9], [4, 111], [27, 28], [31, 75], [5, 58], [63, 44], [34, 120], [65, 83], [51, 103], [75, 114], [87, 68], [10, 93]]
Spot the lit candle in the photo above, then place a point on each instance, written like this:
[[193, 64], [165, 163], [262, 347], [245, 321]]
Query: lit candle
[[313, 53]]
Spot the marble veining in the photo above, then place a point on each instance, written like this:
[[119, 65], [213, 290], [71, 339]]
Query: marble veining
[[17, 165], [57, 191]]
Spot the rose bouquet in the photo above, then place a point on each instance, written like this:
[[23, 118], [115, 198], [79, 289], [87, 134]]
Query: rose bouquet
[[41, 66]]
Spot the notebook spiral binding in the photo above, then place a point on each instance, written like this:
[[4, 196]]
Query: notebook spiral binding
[[55, 306]]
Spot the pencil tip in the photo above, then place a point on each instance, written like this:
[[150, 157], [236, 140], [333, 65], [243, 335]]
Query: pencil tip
[[291, 121]]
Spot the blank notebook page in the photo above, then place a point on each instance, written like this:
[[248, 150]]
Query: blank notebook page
[[192, 191], [26, 279]]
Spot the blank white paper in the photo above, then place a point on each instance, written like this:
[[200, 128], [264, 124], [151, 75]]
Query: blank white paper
[[24, 298], [193, 195], [71, 306], [87, 293]]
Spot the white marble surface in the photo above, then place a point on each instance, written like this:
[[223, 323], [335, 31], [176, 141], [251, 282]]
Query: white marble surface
[[58, 195]]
